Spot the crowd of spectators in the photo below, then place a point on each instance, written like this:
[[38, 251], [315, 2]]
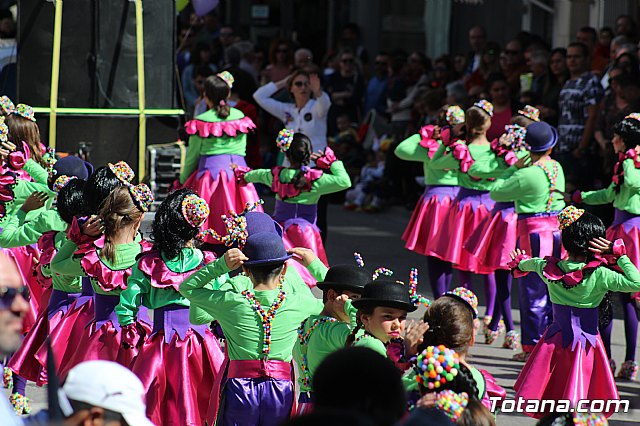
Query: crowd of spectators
[[582, 89]]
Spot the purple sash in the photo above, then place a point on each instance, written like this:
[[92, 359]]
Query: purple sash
[[216, 163], [577, 325], [474, 197], [105, 310], [60, 301], [505, 208], [302, 215], [441, 192], [628, 220], [174, 319], [87, 292]]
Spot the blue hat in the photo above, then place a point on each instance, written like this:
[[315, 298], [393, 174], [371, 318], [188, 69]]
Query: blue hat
[[264, 248], [541, 137], [73, 166], [261, 222]]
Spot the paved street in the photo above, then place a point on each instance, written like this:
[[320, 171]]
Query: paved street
[[377, 238]]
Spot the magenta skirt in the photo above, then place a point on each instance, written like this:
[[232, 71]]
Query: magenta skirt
[[470, 209], [428, 217], [492, 242], [215, 182], [627, 227], [178, 368]]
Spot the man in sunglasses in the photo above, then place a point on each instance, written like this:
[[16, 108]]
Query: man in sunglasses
[[13, 308]]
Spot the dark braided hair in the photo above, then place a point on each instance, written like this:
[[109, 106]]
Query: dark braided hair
[[351, 338], [576, 237], [299, 154], [170, 230], [71, 201], [629, 131], [217, 92]]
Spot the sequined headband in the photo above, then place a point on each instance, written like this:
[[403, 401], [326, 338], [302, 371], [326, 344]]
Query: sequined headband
[[195, 210], [467, 296], [516, 134], [24, 111], [284, 139], [123, 172], [486, 106], [634, 115], [6, 106], [532, 113], [227, 78], [142, 196], [454, 115], [436, 366], [235, 225], [4, 130], [61, 182], [416, 298], [452, 404], [568, 216]]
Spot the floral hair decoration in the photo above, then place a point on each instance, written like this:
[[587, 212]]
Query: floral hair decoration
[[454, 115], [236, 226], [532, 113], [6, 105], [227, 78], [634, 115], [486, 106], [381, 271], [467, 296], [568, 216], [195, 210], [416, 298], [284, 139], [61, 182], [4, 130], [123, 172], [452, 404], [437, 366], [516, 135], [25, 111], [142, 196], [49, 161]]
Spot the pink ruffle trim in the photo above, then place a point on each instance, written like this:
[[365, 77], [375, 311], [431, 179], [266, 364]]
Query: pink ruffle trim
[[75, 233], [446, 138], [618, 170], [513, 265], [160, 276], [461, 153], [553, 272], [47, 248], [239, 172], [7, 182], [504, 152], [288, 190], [576, 197], [231, 128], [327, 159], [107, 279], [427, 141]]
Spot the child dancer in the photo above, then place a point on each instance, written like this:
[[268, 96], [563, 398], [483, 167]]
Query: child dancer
[[218, 139], [320, 335], [569, 362], [451, 323], [472, 205], [298, 189], [440, 191], [625, 194], [534, 184], [259, 319], [24, 364], [24, 136], [174, 396], [107, 261]]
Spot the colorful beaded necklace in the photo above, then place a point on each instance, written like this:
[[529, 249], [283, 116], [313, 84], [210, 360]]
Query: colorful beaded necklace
[[303, 338], [267, 317], [552, 175]]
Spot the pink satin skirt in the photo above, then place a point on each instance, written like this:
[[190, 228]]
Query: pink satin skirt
[[26, 258], [307, 236]]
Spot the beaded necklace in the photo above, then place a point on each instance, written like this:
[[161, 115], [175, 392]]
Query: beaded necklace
[[365, 334], [552, 175], [303, 338], [267, 317]]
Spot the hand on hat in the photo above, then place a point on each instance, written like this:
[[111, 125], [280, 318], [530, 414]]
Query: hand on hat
[[35, 201], [414, 336], [93, 227], [600, 246], [234, 258], [302, 255], [7, 148], [338, 307]]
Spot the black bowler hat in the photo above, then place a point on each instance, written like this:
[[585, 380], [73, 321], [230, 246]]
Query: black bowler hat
[[541, 136], [345, 277], [385, 293], [264, 248]]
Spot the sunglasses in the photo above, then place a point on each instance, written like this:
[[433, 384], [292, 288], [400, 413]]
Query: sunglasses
[[8, 295], [300, 83]]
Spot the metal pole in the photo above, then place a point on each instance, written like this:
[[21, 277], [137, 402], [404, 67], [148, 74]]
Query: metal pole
[[55, 72], [142, 126]]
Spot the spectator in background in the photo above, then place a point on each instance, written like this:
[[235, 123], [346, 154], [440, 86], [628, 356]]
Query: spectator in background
[[629, 62], [225, 39], [201, 55], [246, 58], [603, 47], [202, 72], [280, 62], [489, 64], [258, 61], [515, 64], [244, 84], [578, 103], [538, 63], [626, 26], [503, 106], [417, 80], [616, 44], [442, 72], [351, 40], [558, 75], [209, 29], [459, 65], [185, 45], [456, 94], [477, 43], [346, 88], [376, 95], [302, 58], [589, 37]]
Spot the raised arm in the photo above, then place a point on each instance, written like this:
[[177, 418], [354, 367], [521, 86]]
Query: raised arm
[[263, 97]]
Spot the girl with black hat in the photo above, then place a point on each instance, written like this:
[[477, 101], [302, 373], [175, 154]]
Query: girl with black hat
[[624, 193], [320, 335], [534, 184]]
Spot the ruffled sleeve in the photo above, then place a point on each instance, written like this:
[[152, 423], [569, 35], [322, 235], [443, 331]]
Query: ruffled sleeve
[[230, 128], [327, 159], [288, 190], [47, 248], [460, 152], [513, 265], [7, 183], [507, 154], [75, 233], [160, 276], [492, 390], [427, 141], [239, 172]]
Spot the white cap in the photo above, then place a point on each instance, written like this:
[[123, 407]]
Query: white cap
[[107, 385]]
